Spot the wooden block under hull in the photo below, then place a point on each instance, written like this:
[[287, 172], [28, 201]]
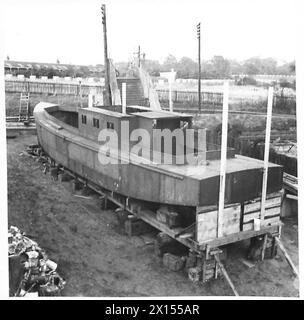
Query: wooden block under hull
[[207, 223]]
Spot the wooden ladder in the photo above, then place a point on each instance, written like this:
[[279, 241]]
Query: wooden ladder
[[24, 106]]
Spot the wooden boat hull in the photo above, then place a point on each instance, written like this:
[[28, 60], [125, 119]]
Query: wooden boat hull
[[146, 182]]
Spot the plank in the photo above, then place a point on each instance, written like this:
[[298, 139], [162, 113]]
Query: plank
[[286, 255], [268, 213], [221, 203], [266, 152], [272, 221], [267, 222], [207, 223], [251, 207], [224, 272]]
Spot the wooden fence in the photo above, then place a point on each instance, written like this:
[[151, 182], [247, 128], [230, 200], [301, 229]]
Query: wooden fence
[[51, 88], [214, 101], [207, 98], [182, 99]]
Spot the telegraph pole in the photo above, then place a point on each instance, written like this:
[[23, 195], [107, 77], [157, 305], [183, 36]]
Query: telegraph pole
[[139, 55], [198, 27], [107, 95]]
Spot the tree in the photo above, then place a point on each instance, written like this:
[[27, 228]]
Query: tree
[[236, 67], [187, 68], [252, 66], [268, 66], [169, 63], [153, 67], [221, 67]]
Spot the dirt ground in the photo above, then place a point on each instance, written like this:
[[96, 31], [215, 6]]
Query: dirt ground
[[97, 259]]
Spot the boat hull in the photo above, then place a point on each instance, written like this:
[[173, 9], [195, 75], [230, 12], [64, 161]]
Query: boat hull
[[145, 182]]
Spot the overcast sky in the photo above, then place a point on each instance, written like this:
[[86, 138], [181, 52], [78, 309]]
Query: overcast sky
[[42, 31]]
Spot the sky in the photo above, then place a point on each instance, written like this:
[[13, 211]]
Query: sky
[[71, 31]]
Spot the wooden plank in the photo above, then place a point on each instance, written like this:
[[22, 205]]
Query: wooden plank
[[266, 152], [206, 226], [272, 211], [272, 221], [224, 272], [223, 160], [251, 207], [239, 236], [229, 209], [264, 246], [269, 212], [207, 223], [248, 226], [286, 255], [267, 222], [249, 217]]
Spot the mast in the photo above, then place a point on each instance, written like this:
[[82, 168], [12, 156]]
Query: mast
[[107, 93]]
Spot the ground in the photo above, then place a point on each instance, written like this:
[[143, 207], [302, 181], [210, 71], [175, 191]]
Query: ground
[[97, 259]]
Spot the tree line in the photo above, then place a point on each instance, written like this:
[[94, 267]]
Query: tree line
[[215, 68]]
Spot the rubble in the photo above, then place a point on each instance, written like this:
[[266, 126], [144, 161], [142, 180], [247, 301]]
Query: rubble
[[40, 277]]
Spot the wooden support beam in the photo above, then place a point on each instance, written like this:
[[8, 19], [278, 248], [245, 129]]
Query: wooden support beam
[[170, 91], [291, 196], [204, 146], [224, 272], [266, 152], [223, 159], [192, 226], [124, 97], [264, 246], [286, 255]]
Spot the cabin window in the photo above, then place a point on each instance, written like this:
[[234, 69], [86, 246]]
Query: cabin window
[[84, 119], [95, 123], [110, 125]]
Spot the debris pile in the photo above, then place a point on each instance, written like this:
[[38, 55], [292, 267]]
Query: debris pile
[[39, 272]]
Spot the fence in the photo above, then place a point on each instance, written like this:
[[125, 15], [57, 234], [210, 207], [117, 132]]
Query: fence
[[207, 98], [214, 101], [51, 87], [182, 99]]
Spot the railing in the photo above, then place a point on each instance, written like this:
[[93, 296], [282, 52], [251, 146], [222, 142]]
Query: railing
[[214, 101], [51, 87], [213, 98]]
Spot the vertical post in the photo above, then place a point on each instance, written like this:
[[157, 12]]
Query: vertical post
[[170, 91], [199, 66], [223, 159], [124, 98], [90, 102], [264, 246], [138, 56], [80, 93], [266, 152], [106, 61], [204, 146]]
